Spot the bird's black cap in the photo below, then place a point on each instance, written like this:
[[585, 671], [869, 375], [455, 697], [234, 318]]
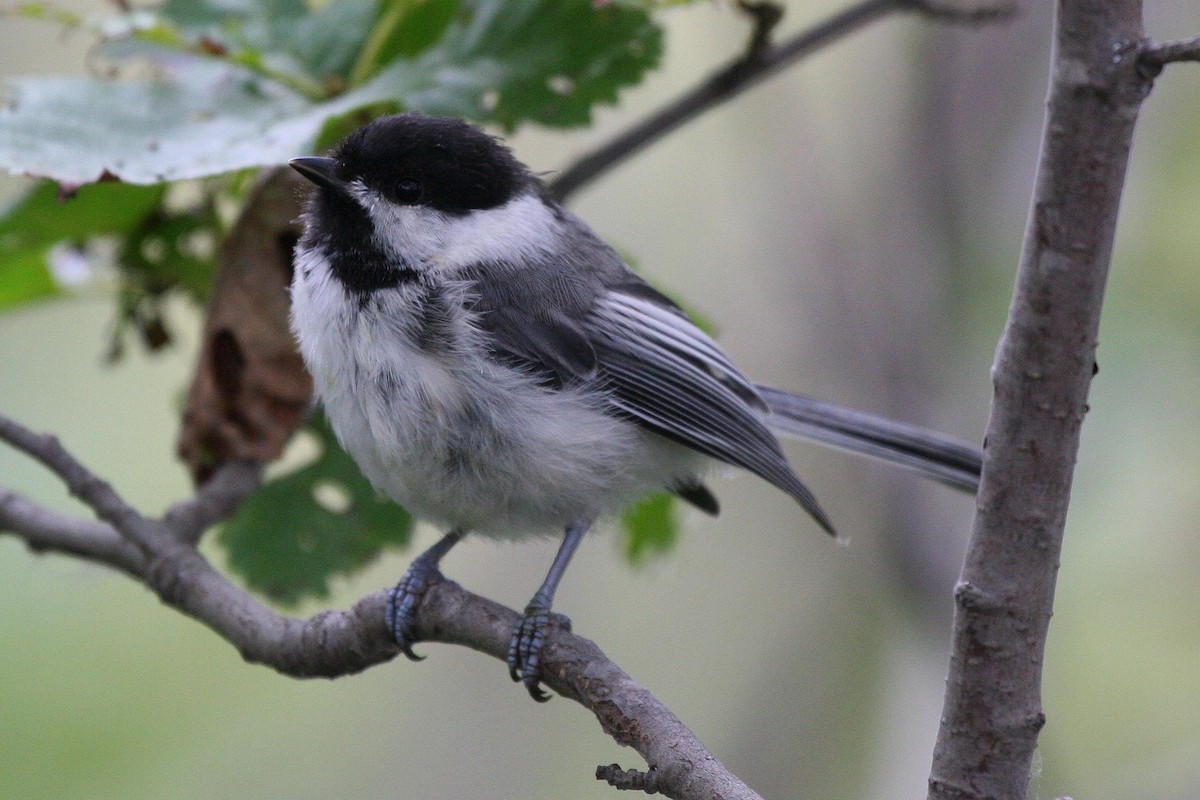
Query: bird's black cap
[[414, 159]]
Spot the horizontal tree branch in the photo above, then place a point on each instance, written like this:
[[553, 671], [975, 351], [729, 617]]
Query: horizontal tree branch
[[161, 553], [50, 531], [760, 60], [1154, 56]]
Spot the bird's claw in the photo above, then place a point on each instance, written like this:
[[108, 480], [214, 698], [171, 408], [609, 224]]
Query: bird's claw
[[525, 648], [403, 601]]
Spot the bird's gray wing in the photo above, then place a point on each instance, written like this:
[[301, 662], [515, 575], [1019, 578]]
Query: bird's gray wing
[[549, 346], [664, 372], [654, 365]]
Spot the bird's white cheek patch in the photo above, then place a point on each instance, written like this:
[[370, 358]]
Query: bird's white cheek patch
[[521, 230]]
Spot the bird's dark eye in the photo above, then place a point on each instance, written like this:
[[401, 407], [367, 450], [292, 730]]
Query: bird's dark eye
[[408, 191]]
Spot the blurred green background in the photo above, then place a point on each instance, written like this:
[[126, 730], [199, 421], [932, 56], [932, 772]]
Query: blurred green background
[[852, 228]]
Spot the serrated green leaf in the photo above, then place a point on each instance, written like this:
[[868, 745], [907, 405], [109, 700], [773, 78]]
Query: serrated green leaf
[[157, 255], [207, 118], [199, 13], [547, 61], [286, 36], [650, 527], [327, 43], [289, 540], [168, 252], [204, 119]]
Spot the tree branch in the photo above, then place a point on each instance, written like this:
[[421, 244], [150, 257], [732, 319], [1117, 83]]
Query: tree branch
[[1153, 57], [1043, 369], [215, 501], [760, 60], [161, 554], [49, 531], [81, 482]]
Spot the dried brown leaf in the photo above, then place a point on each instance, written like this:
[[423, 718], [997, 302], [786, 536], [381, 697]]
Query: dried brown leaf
[[250, 392]]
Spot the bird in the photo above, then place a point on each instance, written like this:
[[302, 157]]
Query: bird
[[497, 369]]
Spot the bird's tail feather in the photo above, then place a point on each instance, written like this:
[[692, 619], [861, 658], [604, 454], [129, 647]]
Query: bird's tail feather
[[927, 453]]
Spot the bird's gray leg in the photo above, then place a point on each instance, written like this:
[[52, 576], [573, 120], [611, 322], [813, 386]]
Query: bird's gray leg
[[406, 596], [525, 647]]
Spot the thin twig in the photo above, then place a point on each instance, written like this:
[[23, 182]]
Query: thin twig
[[96, 493], [216, 500], [759, 61], [1153, 56], [44, 530]]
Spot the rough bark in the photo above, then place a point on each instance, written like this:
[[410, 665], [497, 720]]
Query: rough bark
[[1102, 69]]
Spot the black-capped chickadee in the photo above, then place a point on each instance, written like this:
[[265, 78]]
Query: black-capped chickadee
[[496, 368]]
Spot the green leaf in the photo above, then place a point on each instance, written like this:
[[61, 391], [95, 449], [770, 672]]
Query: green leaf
[[287, 36], [170, 251], [295, 534], [201, 13], [204, 118], [39, 220], [159, 254], [328, 42], [547, 61], [404, 29], [24, 277], [39, 217], [650, 527]]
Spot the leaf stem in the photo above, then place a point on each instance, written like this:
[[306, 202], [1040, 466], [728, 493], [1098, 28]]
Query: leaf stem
[[389, 20]]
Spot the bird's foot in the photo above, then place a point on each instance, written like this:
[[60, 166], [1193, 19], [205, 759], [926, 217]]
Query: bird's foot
[[525, 647], [404, 599]]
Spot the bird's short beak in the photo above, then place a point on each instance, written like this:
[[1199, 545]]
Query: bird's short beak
[[320, 171]]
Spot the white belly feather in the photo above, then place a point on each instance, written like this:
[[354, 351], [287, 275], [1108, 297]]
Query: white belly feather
[[463, 441]]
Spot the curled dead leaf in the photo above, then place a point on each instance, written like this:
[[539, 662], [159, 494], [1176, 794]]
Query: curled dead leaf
[[250, 391]]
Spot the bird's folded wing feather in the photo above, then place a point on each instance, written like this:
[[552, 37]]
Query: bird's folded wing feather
[[659, 370]]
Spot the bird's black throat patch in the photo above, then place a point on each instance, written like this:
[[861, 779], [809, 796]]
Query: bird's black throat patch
[[347, 239]]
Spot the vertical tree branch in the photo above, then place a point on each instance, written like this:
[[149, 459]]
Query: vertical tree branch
[[1043, 368]]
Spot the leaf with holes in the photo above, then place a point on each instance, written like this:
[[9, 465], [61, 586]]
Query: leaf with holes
[[250, 391], [295, 534]]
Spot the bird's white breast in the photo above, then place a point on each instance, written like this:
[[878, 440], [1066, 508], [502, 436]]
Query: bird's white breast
[[453, 436]]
